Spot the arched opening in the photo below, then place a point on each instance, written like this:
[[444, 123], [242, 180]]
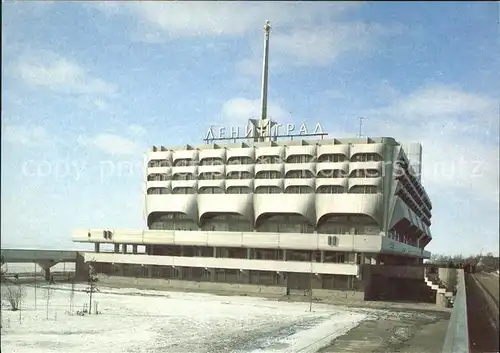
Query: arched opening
[[238, 190], [299, 189], [301, 158], [284, 223], [367, 157], [268, 190], [210, 190], [225, 222], [330, 189], [171, 221], [331, 158], [158, 191], [299, 174], [353, 223]]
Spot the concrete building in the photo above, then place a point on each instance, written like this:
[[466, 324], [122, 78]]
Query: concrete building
[[294, 214], [270, 212]]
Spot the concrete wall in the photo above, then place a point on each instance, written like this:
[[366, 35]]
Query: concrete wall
[[396, 283], [448, 277]]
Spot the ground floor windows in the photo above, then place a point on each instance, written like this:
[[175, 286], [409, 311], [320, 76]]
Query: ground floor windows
[[292, 281]]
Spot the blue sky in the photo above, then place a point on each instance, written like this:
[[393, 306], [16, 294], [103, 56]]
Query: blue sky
[[87, 87]]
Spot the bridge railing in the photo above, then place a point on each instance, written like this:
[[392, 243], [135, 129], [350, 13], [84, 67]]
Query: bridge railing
[[457, 335]]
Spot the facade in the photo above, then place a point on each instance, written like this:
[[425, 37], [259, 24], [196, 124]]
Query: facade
[[273, 213]]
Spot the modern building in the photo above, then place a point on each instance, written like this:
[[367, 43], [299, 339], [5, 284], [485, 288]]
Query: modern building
[[267, 209], [274, 211]]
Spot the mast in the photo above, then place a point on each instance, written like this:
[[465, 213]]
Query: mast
[[263, 122]]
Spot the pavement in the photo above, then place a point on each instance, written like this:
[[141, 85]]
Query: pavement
[[409, 331]]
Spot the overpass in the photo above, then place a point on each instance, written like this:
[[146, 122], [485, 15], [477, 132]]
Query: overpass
[[44, 258]]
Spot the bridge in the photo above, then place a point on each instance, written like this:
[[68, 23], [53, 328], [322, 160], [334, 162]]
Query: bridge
[[44, 258]]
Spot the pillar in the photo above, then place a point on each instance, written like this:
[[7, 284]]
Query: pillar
[[441, 300], [249, 253], [46, 271], [117, 248], [322, 255], [124, 248], [96, 247], [215, 252], [134, 249], [284, 254]]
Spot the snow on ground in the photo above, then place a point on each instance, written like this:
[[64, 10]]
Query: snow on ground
[[134, 321], [23, 267]]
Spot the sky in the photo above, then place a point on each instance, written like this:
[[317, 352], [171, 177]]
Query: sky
[[88, 87]]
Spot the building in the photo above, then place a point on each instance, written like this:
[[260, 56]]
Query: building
[[273, 211], [270, 212]]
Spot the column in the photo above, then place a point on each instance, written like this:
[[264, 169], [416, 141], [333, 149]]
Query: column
[[249, 253], [46, 271], [96, 247], [134, 249], [117, 248], [322, 254], [284, 255], [124, 248]]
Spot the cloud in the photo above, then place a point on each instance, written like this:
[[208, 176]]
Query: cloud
[[163, 21], [59, 74], [29, 136], [239, 110], [112, 144], [303, 33], [459, 134]]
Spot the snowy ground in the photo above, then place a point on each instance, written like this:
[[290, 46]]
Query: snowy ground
[[152, 321], [22, 267]]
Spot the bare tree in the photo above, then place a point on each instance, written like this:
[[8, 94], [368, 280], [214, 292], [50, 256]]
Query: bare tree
[[14, 294], [48, 294], [92, 288]]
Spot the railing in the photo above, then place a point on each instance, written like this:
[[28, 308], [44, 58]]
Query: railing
[[457, 335]]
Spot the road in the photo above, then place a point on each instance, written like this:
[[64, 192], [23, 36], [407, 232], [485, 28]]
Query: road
[[489, 281], [482, 312]]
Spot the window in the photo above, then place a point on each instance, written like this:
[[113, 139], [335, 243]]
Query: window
[[363, 189], [267, 190], [332, 158], [154, 163], [238, 190], [366, 157], [184, 162], [366, 173], [157, 191], [210, 190], [239, 175], [183, 190], [239, 160], [183, 176], [211, 161], [268, 160], [158, 177], [303, 158], [210, 176], [303, 189], [330, 189], [299, 174], [332, 173], [268, 174]]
